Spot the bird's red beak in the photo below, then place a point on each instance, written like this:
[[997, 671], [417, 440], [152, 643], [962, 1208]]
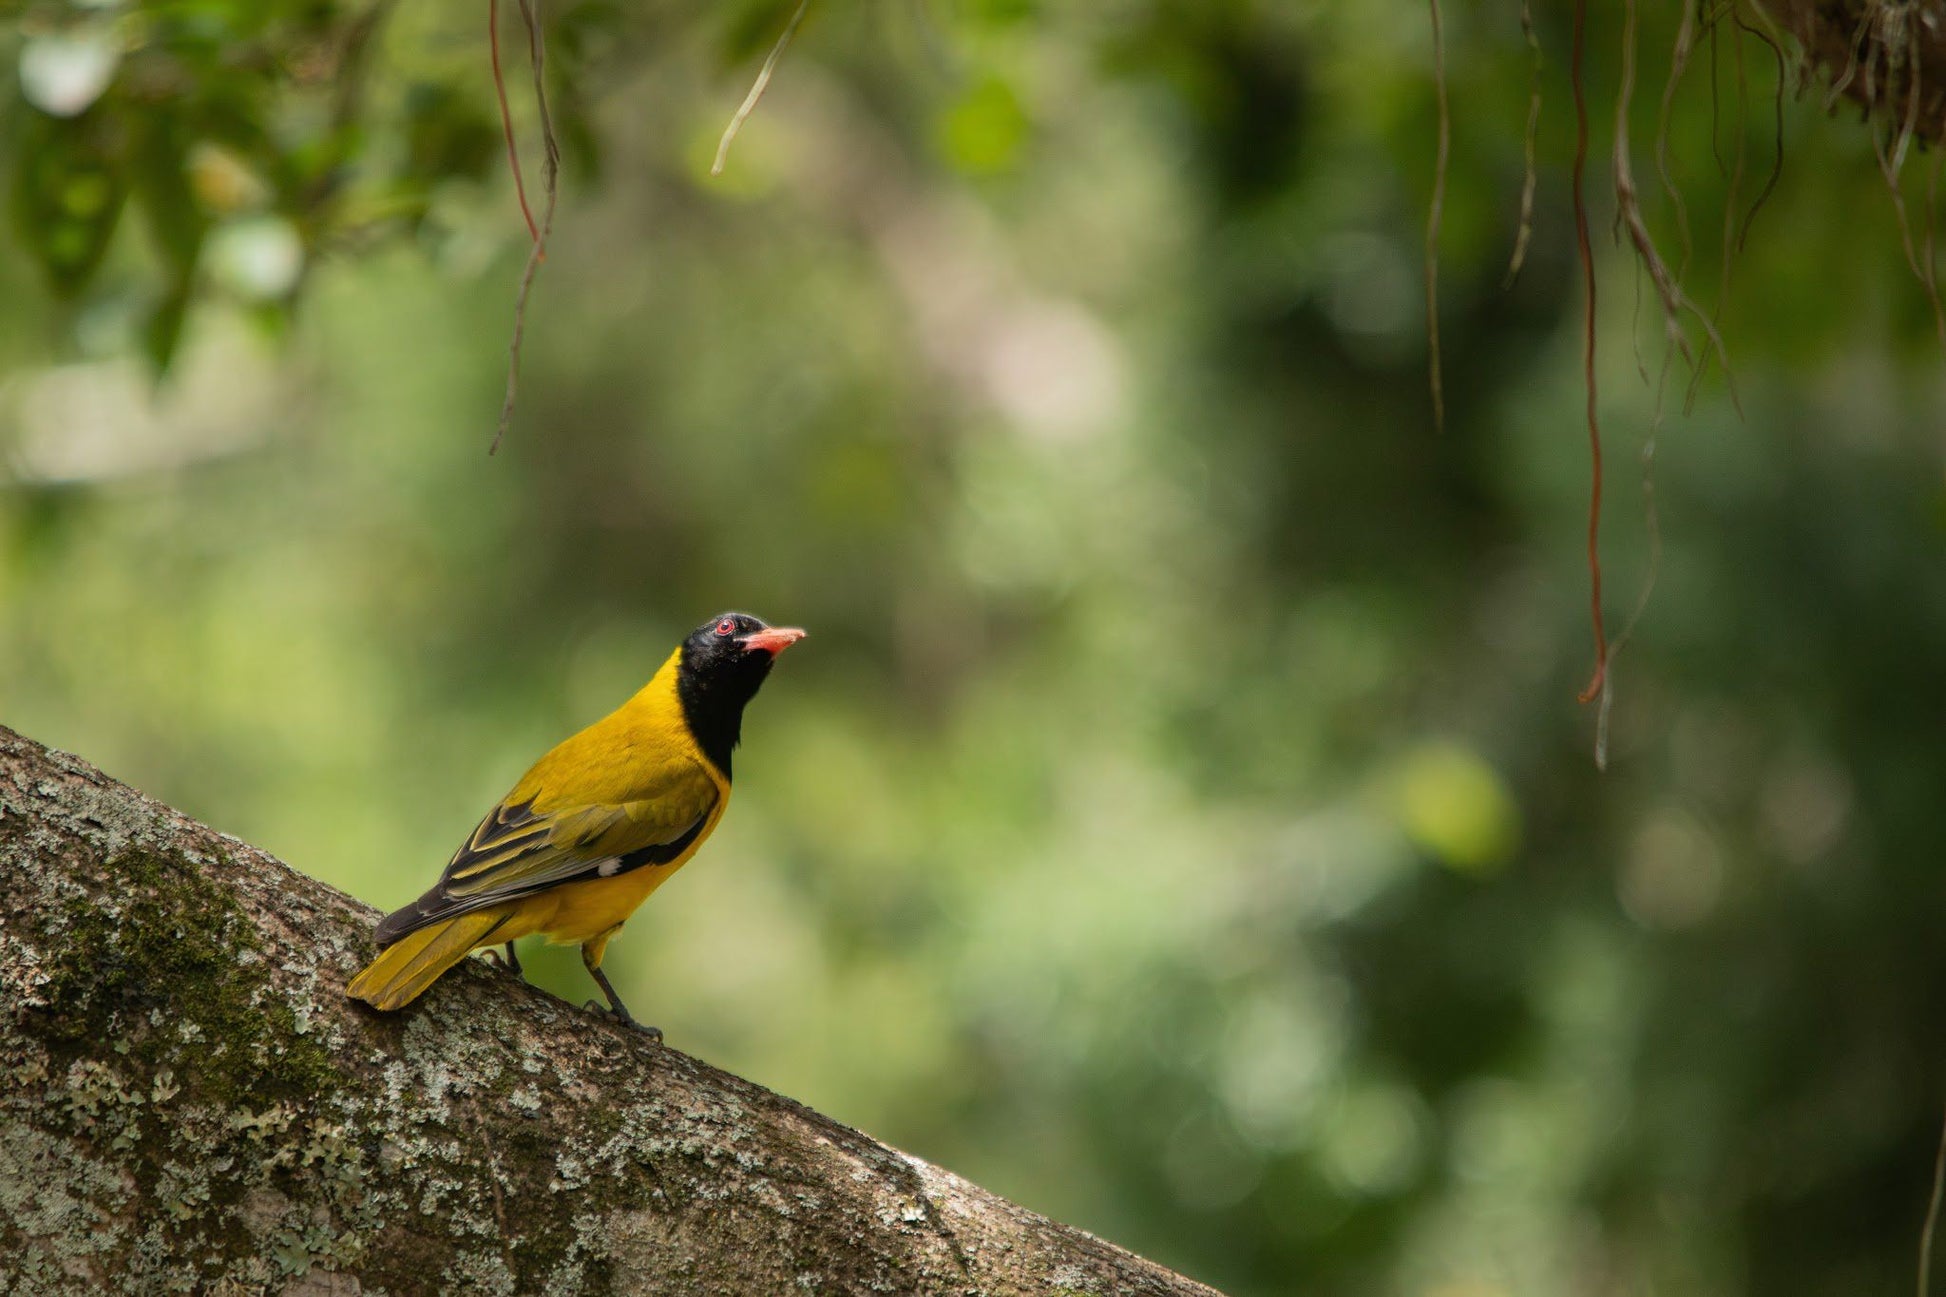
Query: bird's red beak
[[772, 641]]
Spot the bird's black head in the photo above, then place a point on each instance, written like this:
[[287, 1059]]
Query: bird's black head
[[724, 663]]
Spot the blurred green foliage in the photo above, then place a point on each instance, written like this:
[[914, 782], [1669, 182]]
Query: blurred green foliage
[[1180, 819]]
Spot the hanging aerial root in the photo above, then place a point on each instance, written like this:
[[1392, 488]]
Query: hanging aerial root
[[1525, 232], [1777, 128], [1710, 24], [1679, 56], [1932, 1216], [1434, 211], [1854, 46], [1652, 524], [1929, 259], [1734, 186], [757, 88], [1849, 42], [550, 176], [1577, 72], [1891, 162], [1629, 218], [507, 119]]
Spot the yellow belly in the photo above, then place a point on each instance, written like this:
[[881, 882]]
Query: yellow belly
[[577, 912], [580, 912]]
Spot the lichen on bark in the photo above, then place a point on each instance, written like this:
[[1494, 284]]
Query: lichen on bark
[[189, 1104]]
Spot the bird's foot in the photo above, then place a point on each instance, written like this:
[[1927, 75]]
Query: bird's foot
[[509, 960], [618, 1014]]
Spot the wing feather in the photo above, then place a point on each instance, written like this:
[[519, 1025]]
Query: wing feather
[[629, 791], [517, 851]]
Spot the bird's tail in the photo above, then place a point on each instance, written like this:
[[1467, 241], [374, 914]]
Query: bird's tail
[[408, 966]]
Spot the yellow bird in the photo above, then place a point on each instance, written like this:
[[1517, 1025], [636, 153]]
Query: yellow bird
[[597, 824]]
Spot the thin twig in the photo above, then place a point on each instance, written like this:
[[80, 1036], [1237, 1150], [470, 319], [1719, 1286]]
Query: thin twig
[[550, 173], [507, 118], [757, 88], [1433, 214]]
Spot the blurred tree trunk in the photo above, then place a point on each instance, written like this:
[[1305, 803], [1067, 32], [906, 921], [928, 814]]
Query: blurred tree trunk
[[189, 1104]]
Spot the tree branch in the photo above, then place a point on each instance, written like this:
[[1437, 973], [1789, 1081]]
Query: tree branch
[[189, 1103]]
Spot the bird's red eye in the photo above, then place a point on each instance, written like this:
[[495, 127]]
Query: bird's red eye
[[725, 626]]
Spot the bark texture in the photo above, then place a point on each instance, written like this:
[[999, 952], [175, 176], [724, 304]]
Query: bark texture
[[189, 1104]]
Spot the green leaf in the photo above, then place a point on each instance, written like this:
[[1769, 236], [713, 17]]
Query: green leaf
[[68, 197], [159, 180]]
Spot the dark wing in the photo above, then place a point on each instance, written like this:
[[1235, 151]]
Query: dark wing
[[517, 852]]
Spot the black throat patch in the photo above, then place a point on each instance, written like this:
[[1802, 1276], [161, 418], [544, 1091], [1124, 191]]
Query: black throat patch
[[713, 695]]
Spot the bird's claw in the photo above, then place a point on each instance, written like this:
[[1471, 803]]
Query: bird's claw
[[622, 1016], [508, 960]]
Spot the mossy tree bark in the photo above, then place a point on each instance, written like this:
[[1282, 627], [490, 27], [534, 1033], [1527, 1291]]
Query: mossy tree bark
[[189, 1104]]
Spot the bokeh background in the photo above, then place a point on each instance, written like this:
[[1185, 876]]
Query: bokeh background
[[1180, 818]]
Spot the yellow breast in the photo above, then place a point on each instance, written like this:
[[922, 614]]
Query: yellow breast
[[643, 753]]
